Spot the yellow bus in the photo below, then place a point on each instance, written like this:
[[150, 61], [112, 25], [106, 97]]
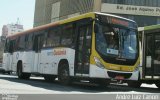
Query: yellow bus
[[94, 46]]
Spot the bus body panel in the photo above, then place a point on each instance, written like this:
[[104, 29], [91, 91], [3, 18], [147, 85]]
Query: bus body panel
[[96, 72], [35, 68], [7, 61], [50, 59], [27, 59], [47, 63], [15, 61]]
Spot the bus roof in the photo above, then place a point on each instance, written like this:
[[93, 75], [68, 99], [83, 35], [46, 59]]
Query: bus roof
[[114, 16], [152, 27], [53, 24], [90, 14], [140, 28]]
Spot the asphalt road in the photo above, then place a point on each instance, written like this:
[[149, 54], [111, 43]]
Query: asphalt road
[[10, 84]]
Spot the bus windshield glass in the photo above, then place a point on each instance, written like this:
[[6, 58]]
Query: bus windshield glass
[[116, 43]]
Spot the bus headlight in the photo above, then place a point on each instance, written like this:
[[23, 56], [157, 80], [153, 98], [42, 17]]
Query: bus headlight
[[98, 63]]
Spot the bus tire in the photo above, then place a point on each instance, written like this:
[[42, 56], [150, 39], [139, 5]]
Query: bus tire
[[158, 84], [63, 74], [20, 74], [134, 84], [49, 78]]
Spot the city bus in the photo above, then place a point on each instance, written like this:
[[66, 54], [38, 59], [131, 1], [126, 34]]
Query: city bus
[[149, 37], [96, 47]]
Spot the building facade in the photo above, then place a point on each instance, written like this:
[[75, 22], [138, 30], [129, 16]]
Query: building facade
[[144, 12], [10, 29]]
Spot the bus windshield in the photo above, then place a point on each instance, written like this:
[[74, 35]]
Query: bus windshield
[[116, 43]]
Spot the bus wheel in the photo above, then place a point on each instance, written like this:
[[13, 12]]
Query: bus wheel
[[134, 84], [22, 75], [63, 74], [49, 78], [158, 84]]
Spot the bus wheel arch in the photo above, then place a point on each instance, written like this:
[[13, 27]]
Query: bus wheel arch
[[20, 73], [63, 72], [19, 69]]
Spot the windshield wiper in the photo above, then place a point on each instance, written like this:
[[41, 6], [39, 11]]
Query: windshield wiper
[[121, 59]]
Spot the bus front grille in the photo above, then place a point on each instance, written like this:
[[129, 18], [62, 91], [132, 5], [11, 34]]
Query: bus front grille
[[115, 74]]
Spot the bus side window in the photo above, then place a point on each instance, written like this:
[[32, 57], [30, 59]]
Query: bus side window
[[67, 38], [16, 44], [88, 37], [6, 49], [44, 44], [11, 46], [53, 37], [29, 42], [21, 45], [50, 36], [26, 42], [42, 41]]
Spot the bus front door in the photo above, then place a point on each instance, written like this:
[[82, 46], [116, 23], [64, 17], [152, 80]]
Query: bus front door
[[82, 56], [152, 55], [148, 55], [8, 57], [37, 48], [156, 58]]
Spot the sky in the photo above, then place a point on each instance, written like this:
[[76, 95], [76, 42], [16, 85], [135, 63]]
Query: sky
[[11, 10]]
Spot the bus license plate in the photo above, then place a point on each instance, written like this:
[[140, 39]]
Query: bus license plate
[[119, 77]]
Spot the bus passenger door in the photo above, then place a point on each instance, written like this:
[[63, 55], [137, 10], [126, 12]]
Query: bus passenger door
[[7, 56], [6, 60], [83, 45], [156, 59], [148, 55], [37, 48], [152, 55]]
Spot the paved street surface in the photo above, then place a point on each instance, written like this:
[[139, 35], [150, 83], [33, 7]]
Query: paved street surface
[[10, 84]]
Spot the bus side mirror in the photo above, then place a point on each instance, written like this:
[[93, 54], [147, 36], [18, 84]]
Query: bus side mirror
[[96, 29]]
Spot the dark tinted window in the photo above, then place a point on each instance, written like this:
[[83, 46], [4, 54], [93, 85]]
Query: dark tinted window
[[53, 37], [6, 49], [21, 43], [120, 1], [141, 20], [11, 47], [67, 35], [151, 3], [29, 42]]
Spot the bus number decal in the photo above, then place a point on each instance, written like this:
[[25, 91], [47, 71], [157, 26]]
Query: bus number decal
[[59, 52]]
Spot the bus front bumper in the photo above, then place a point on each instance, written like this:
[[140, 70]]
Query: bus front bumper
[[97, 72]]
